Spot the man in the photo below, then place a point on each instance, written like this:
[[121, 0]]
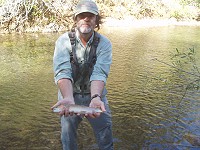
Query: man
[[81, 81]]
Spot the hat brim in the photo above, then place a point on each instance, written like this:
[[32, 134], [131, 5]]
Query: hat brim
[[84, 10]]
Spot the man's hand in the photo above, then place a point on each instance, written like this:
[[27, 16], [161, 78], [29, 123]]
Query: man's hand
[[96, 103], [66, 89], [63, 105]]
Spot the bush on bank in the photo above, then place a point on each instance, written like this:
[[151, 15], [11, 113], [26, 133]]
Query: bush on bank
[[56, 15]]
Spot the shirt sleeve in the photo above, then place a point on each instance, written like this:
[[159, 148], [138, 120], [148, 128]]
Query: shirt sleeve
[[104, 60], [61, 58]]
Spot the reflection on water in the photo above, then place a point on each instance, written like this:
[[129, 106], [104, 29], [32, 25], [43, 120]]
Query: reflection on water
[[145, 95]]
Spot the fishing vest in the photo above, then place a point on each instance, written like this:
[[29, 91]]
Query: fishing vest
[[84, 71]]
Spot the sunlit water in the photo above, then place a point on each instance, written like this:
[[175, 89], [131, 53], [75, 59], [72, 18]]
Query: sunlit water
[[146, 96]]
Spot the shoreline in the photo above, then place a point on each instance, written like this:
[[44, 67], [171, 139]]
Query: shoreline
[[110, 22]]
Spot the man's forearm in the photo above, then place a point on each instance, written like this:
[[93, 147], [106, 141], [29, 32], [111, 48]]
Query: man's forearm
[[66, 89], [97, 87]]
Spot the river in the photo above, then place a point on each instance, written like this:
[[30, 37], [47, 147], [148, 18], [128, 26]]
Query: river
[[150, 105]]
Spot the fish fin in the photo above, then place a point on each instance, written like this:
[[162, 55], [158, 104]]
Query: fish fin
[[82, 112]]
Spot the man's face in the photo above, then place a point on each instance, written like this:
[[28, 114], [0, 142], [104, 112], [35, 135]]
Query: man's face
[[86, 22]]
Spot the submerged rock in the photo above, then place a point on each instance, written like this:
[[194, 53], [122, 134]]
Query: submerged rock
[[193, 139]]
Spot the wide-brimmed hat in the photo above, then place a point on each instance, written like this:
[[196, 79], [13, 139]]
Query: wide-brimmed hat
[[86, 6]]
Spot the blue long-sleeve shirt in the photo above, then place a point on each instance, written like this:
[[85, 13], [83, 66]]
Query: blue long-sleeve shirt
[[62, 65]]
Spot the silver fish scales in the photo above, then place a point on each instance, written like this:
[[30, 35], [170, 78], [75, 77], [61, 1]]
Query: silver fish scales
[[79, 109]]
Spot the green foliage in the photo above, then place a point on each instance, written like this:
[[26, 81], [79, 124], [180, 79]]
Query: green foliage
[[177, 15], [178, 9], [181, 58], [186, 64], [185, 72], [190, 2], [35, 12], [2, 2]]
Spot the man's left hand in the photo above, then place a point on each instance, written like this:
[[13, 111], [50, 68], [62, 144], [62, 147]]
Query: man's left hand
[[96, 103]]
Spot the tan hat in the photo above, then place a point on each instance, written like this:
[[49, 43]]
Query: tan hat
[[86, 6]]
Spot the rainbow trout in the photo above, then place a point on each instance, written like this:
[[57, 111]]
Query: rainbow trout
[[79, 109]]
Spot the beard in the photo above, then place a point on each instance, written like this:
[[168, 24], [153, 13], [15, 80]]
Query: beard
[[85, 29]]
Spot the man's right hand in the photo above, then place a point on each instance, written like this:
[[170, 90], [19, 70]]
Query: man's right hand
[[63, 105]]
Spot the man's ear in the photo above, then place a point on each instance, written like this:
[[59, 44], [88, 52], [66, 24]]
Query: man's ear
[[97, 19]]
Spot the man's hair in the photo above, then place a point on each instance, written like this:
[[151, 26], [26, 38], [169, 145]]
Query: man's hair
[[98, 21]]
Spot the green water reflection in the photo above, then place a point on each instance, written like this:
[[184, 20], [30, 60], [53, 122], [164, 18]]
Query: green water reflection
[[144, 94]]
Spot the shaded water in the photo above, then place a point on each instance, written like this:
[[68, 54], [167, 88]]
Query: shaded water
[[145, 95]]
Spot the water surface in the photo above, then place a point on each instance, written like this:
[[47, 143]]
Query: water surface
[[149, 108]]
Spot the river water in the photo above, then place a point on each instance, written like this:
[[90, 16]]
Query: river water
[[150, 105]]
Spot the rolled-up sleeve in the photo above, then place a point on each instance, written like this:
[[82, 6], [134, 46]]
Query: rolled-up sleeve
[[104, 60], [61, 59]]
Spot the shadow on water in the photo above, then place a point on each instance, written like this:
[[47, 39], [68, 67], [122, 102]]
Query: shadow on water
[[145, 96]]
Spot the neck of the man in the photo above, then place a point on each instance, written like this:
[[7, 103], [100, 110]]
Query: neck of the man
[[85, 37]]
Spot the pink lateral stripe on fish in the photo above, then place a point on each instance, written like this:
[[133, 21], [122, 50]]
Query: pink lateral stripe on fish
[[80, 109]]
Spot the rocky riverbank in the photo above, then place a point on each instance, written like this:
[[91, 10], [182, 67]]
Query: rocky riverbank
[[110, 22], [56, 16]]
